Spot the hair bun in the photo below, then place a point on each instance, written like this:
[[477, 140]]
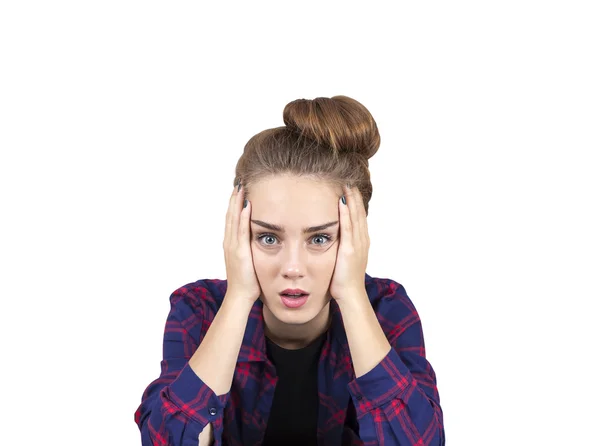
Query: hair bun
[[339, 122]]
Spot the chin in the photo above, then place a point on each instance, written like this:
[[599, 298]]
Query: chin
[[293, 317], [293, 321]]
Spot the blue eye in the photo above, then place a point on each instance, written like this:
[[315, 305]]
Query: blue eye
[[325, 236], [260, 237]]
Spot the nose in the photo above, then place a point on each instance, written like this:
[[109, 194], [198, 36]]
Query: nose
[[292, 273], [293, 265]]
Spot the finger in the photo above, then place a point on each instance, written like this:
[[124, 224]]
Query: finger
[[362, 216], [351, 200], [237, 208], [229, 216], [345, 223], [244, 226]]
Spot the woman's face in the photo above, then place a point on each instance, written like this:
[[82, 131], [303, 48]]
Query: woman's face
[[289, 257]]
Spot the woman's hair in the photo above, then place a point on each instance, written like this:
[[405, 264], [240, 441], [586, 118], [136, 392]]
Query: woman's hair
[[328, 139]]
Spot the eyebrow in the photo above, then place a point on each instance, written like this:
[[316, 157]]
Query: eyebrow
[[278, 228]]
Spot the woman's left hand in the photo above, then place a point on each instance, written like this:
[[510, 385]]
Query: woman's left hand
[[348, 278]]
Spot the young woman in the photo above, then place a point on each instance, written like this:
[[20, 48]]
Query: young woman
[[299, 345]]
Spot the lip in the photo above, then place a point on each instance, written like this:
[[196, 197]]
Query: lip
[[293, 291], [294, 302]]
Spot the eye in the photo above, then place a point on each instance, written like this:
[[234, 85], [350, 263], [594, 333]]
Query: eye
[[269, 236], [262, 236], [323, 236]]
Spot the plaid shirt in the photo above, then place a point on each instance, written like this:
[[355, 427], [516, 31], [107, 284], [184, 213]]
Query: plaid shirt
[[396, 403]]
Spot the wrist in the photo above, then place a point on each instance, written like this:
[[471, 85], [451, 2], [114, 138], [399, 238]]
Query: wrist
[[236, 303], [353, 299]]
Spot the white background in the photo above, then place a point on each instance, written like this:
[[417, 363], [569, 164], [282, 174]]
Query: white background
[[120, 126]]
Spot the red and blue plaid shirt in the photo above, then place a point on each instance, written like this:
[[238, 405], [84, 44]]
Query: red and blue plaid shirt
[[395, 403]]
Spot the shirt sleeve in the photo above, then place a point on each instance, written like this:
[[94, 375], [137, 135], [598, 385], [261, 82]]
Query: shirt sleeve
[[397, 402], [178, 405]]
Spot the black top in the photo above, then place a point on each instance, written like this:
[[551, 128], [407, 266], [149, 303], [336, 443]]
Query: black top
[[293, 416]]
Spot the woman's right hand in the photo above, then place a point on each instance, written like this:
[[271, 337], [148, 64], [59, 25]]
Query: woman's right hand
[[242, 282]]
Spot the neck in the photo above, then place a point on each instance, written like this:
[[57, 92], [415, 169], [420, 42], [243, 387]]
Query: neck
[[293, 337]]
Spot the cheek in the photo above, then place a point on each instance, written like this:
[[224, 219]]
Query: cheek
[[324, 265]]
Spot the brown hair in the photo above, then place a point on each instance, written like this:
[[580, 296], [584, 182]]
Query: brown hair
[[329, 139]]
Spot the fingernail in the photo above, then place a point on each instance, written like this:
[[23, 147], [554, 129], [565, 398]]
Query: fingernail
[[343, 199], [245, 203], [239, 186]]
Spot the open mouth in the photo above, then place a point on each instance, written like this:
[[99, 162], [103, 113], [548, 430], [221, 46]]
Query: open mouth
[[293, 301]]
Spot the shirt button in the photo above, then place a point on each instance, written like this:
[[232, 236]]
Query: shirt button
[[212, 411], [359, 397]]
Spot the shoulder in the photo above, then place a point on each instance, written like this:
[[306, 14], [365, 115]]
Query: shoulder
[[391, 303], [199, 299]]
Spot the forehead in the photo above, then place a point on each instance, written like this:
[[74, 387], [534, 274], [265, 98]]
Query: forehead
[[294, 202]]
